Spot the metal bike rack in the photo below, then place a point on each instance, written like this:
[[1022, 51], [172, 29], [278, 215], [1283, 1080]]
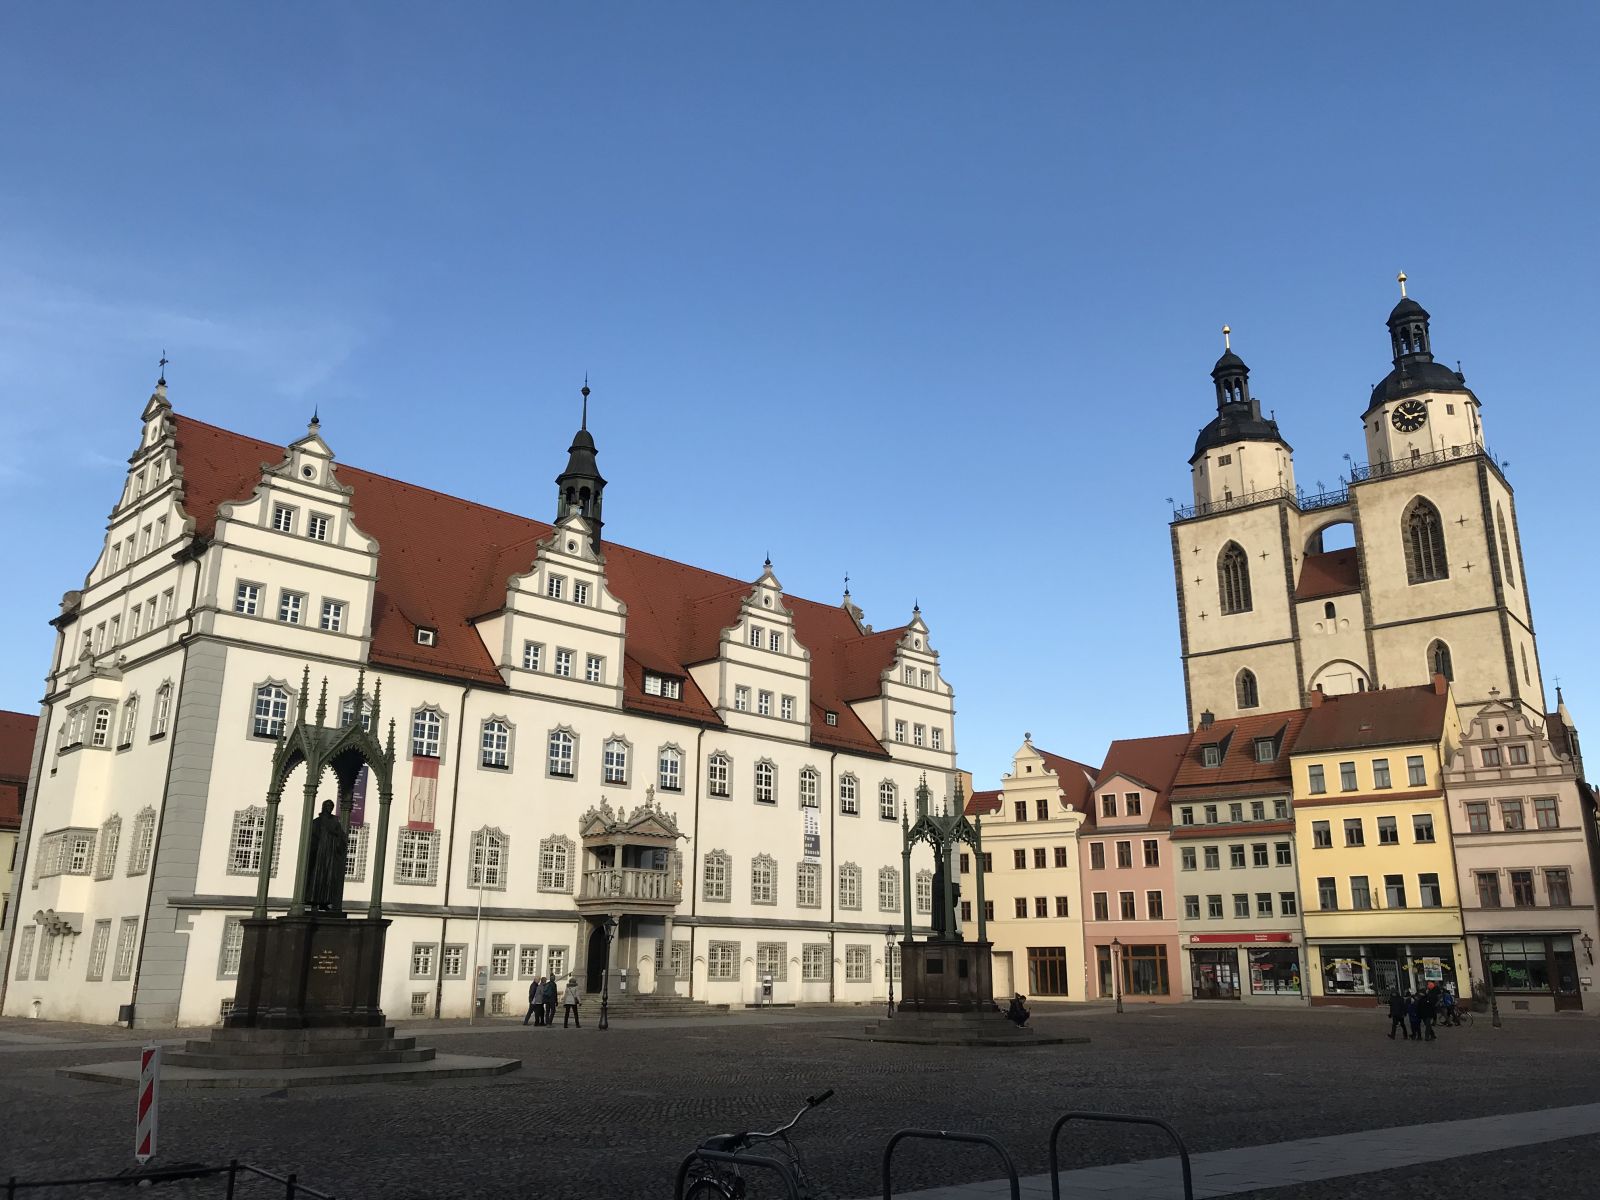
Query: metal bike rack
[[940, 1135], [1117, 1119], [777, 1166]]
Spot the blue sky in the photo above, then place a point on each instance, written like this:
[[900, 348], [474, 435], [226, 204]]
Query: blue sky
[[928, 293]]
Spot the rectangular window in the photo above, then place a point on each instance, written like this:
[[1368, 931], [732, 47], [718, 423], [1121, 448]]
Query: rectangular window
[[1124, 854], [1360, 892], [1280, 809], [166, 606], [1314, 775], [1263, 904], [1488, 888], [1063, 908], [564, 663], [1321, 834], [1545, 814], [1235, 813], [1097, 856], [1241, 906], [1211, 755], [1491, 756], [332, 616], [532, 652], [741, 699], [1519, 755], [1186, 858], [1258, 810], [857, 964], [555, 586], [1213, 858], [1191, 908], [1288, 905], [1019, 809], [848, 803], [1522, 889], [594, 668], [1236, 856], [1021, 906], [127, 940], [290, 606], [786, 708], [282, 518], [1511, 814], [1214, 907], [1421, 827], [1388, 831], [1353, 834], [808, 885], [1153, 907], [1186, 816], [1133, 805], [1060, 856], [775, 642], [1415, 771], [97, 950], [1283, 854], [899, 731], [1394, 891], [919, 735], [1258, 855], [1152, 852], [714, 877], [580, 592], [247, 599], [1478, 816], [1558, 885], [1347, 777], [1125, 906], [416, 857], [1428, 890], [1327, 893], [317, 527], [1380, 773], [1266, 750], [1041, 906], [764, 703], [1019, 859], [757, 636], [1039, 858], [938, 737], [1101, 911], [1108, 805], [232, 948], [814, 963]]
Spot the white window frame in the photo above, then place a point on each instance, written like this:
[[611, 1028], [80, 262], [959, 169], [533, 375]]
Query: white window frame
[[247, 599], [282, 518], [614, 761], [489, 859], [888, 800], [849, 795], [494, 744], [669, 769], [318, 526], [416, 857], [763, 879], [766, 782], [532, 656], [594, 668], [332, 618], [715, 884], [556, 857], [427, 732], [561, 748], [291, 607]]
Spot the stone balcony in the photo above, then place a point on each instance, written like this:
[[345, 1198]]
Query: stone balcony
[[629, 888]]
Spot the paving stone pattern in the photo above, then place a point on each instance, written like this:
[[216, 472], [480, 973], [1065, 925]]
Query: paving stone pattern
[[610, 1113]]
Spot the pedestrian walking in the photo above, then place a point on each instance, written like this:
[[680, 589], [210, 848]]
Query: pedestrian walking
[[549, 1000], [1397, 1016], [570, 999], [1428, 1003], [1414, 1016], [535, 1002], [1447, 1006]]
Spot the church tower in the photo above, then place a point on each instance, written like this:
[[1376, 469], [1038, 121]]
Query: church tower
[[581, 487], [1433, 582]]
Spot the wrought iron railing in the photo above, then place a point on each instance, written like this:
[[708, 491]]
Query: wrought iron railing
[[628, 883], [1416, 462]]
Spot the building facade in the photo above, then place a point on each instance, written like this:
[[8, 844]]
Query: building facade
[[1130, 922], [1233, 834], [1432, 582], [1518, 829], [1372, 844], [585, 730], [1033, 887], [18, 732]]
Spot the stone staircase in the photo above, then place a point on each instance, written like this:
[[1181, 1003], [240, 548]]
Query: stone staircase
[[267, 1049], [631, 1004]]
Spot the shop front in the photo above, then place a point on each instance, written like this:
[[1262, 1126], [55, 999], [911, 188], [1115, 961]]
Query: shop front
[[1533, 972], [1368, 973], [1248, 966]]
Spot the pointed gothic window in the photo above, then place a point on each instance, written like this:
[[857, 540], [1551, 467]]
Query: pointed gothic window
[[1505, 546], [1439, 660], [1249, 696], [1424, 541], [1233, 578]]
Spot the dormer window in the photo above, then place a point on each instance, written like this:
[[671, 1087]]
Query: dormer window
[[317, 527], [831, 717], [757, 637], [775, 642], [283, 518], [1211, 755], [555, 586], [664, 686], [1108, 805], [580, 593], [1266, 750], [426, 636]]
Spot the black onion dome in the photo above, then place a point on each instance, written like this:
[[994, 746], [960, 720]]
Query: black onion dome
[[1229, 363], [1406, 310], [1228, 428], [1417, 375]]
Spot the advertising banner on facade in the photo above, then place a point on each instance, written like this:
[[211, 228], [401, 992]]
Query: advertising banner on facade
[[811, 847], [358, 800], [424, 793]]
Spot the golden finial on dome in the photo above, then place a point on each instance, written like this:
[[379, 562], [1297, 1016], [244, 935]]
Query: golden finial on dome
[[1226, 344], [1402, 278]]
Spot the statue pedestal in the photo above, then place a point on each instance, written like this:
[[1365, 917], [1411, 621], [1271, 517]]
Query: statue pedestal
[[319, 970], [946, 976]]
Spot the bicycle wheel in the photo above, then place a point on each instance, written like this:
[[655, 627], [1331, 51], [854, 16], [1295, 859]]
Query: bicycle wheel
[[707, 1189]]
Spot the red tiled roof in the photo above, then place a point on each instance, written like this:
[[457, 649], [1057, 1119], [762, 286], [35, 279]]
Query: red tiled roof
[[1077, 779], [1383, 718], [1151, 761], [1333, 573], [17, 731], [1237, 737], [444, 561], [983, 803], [10, 805]]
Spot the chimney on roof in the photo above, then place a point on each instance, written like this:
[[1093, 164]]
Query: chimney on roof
[[1317, 697], [1440, 684], [1207, 719]]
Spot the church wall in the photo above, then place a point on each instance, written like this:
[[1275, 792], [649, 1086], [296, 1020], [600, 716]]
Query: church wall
[[1333, 648], [1213, 680]]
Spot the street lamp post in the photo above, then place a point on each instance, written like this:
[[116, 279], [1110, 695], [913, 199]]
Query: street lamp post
[[888, 969], [1488, 982], [609, 925], [1116, 971]]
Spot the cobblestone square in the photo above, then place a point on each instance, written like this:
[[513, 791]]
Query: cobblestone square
[[611, 1113]]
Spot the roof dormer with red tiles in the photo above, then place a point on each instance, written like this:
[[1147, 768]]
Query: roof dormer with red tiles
[[908, 705], [756, 671]]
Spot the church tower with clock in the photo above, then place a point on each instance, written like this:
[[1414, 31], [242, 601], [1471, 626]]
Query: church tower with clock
[[1412, 567]]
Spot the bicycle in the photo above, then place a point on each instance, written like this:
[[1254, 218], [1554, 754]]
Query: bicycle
[[714, 1170]]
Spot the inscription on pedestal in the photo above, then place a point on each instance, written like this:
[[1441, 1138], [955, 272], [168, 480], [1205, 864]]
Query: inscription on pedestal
[[325, 962]]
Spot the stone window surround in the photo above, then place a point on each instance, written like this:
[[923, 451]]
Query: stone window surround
[[444, 732], [144, 819], [511, 744], [723, 858], [810, 951], [891, 876], [759, 862], [129, 722], [565, 883], [572, 734], [432, 969], [852, 871], [661, 784], [428, 838], [780, 972], [161, 710], [727, 761], [355, 867], [894, 792], [481, 836], [229, 927], [255, 696], [106, 847], [344, 614], [771, 781], [815, 887], [716, 950], [254, 811], [617, 739], [99, 947], [127, 940], [855, 798], [510, 958], [524, 970], [460, 971]]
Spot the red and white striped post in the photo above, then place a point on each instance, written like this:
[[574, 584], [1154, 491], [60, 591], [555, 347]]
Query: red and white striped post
[[144, 1137]]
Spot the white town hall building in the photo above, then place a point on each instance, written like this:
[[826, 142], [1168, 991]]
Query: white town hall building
[[582, 730]]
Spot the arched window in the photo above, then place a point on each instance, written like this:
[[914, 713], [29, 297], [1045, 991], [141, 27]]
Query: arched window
[[888, 801], [763, 880], [766, 788], [808, 788], [1248, 695], [110, 835], [1329, 611], [102, 727], [130, 720], [1439, 661], [669, 769], [717, 774], [347, 712], [426, 728], [1505, 546], [615, 763], [488, 860], [143, 841], [555, 865], [158, 722], [888, 889], [496, 743], [1233, 578], [848, 792], [924, 892], [271, 711], [714, 880], [562, 751], [1423, 532], [849, 886]]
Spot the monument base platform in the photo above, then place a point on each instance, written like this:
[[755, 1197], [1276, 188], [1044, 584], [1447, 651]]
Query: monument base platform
[[946, 976], [315, 970]]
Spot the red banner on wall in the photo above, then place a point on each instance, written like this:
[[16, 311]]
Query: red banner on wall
[[424, 792], [1230, 939]]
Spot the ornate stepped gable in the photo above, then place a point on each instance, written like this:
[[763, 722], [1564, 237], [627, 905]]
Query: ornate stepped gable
[[444, 562]]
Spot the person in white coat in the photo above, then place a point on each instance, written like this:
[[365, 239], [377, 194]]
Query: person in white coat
[[570, 999]]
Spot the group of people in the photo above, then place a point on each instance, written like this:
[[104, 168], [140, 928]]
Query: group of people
[[1421, 1011], [542, 1002]]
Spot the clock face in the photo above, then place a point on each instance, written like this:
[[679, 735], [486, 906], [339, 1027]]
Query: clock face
[[1409, 416]]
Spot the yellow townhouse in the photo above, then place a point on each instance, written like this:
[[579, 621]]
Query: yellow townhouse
[[1377, 876]]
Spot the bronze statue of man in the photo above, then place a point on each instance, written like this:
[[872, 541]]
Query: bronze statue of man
[[325, 871]]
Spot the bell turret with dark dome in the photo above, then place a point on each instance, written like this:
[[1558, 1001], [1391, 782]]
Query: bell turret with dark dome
[[1238, 416], [1412, 346], [581, 487], [1239, 452]]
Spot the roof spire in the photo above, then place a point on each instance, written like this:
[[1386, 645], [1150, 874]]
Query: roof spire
[[161, 381], [1401, 280], [1226, 344], [585, 423], [847, 583], [316, 416]]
